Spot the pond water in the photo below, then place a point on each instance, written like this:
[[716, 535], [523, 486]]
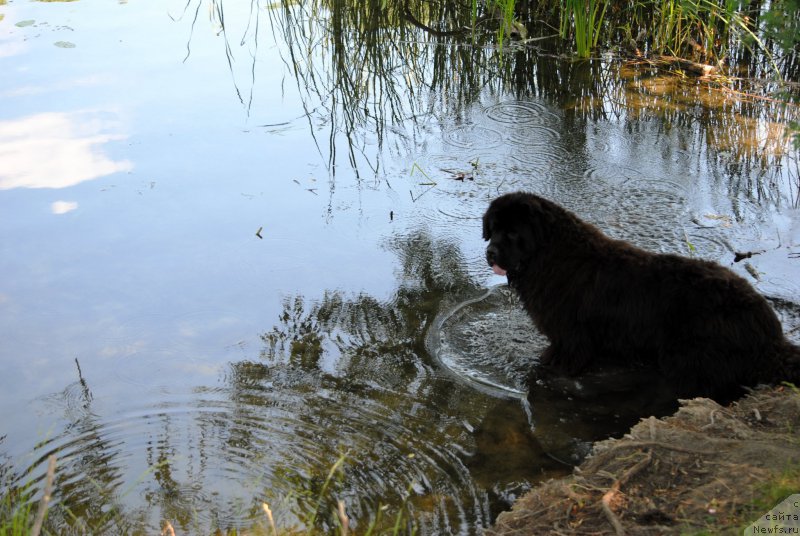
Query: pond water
[[241, 256]]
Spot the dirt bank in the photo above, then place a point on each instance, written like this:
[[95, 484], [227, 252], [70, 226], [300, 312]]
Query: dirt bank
[[707, 469]]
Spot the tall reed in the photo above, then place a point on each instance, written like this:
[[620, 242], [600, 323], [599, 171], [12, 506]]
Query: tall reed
[[706, 30], [586, 17]]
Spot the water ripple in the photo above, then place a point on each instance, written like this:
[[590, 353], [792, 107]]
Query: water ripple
[[472, 136], [488, 342], [540, 154], [522, 113], [208, 457]]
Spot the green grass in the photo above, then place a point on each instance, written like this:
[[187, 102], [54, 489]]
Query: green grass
[[22, 515], [583, 19], [16, 513], [16, 507], [765, 497], [709, 31]]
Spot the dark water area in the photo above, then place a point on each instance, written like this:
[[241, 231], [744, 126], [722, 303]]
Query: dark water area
[[241, 256]]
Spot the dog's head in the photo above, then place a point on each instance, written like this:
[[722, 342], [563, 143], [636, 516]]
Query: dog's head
[[515, 226]]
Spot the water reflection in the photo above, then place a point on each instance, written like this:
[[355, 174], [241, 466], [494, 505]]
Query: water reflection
[[371, 74], [342, 403], [71, 143], [343, 382]]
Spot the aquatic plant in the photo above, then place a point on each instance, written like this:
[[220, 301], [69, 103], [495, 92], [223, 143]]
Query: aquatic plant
[[710, 30], [587, 20], [16, 512], [17, 506]]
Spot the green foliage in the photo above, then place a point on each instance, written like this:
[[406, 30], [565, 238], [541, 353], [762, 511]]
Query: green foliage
[[782, 23], [776, 489], [587, 20], [16, 512], [709, 29]]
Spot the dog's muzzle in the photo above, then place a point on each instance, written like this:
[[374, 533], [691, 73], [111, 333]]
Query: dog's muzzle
[[491, 254]]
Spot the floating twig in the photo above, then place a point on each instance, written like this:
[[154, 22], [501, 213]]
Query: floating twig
[[742, 255]]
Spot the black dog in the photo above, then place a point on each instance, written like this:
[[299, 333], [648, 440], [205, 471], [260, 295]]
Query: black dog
[[605, 302]]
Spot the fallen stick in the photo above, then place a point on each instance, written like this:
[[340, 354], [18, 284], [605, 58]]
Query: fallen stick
[[614, 490]]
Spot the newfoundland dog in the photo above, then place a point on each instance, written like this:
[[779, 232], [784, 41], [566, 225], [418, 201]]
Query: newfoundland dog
[[603, 302]]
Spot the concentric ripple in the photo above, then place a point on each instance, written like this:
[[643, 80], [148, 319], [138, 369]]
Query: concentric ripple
[[300, 441], [650, 214], [488, 342], [522, 113], [535, 152], [471, 136]]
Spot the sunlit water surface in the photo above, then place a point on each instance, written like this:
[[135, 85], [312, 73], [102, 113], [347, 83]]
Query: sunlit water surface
[[223, 285]]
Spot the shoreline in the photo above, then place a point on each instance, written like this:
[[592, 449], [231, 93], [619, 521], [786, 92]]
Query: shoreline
[[706, 469]]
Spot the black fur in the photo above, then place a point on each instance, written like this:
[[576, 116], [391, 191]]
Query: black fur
[[605, 302]]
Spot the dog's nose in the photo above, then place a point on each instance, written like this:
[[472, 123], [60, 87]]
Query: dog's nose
[[491, 254]]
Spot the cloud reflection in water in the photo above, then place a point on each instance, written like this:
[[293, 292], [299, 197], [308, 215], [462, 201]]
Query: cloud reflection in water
[[56, 150]]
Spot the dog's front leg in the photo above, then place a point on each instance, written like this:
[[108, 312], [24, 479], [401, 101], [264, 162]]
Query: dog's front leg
[[571, 356]]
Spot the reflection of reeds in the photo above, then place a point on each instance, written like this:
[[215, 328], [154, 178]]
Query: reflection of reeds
[[369, 69], [338, 522]]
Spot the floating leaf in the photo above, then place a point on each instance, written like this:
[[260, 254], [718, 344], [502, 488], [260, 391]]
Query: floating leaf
[[64, 44], [24, 23]]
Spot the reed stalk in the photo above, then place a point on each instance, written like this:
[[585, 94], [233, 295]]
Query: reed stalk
[[585, 19]]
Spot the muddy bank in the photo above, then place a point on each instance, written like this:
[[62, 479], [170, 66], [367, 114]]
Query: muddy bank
[[705, 469]]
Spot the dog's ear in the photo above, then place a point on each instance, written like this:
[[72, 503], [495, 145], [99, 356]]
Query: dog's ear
[[540, 219], [487, 228]]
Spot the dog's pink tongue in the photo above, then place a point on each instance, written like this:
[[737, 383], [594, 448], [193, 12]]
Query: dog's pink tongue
[[499, 271]]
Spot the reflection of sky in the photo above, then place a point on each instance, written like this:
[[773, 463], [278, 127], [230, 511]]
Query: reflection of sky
[[54, 150], [102, 259]]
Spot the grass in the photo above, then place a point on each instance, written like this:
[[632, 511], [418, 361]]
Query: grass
[[16, 507], [766, 497], [21, 515], [584, 19], [16, 511], [712, 31]]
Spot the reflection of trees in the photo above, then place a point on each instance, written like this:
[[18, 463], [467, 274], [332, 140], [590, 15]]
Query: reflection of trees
[[340, 375], [361, 329], [369, 360]]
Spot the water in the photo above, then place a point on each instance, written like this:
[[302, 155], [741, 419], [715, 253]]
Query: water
[[237, 256]]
